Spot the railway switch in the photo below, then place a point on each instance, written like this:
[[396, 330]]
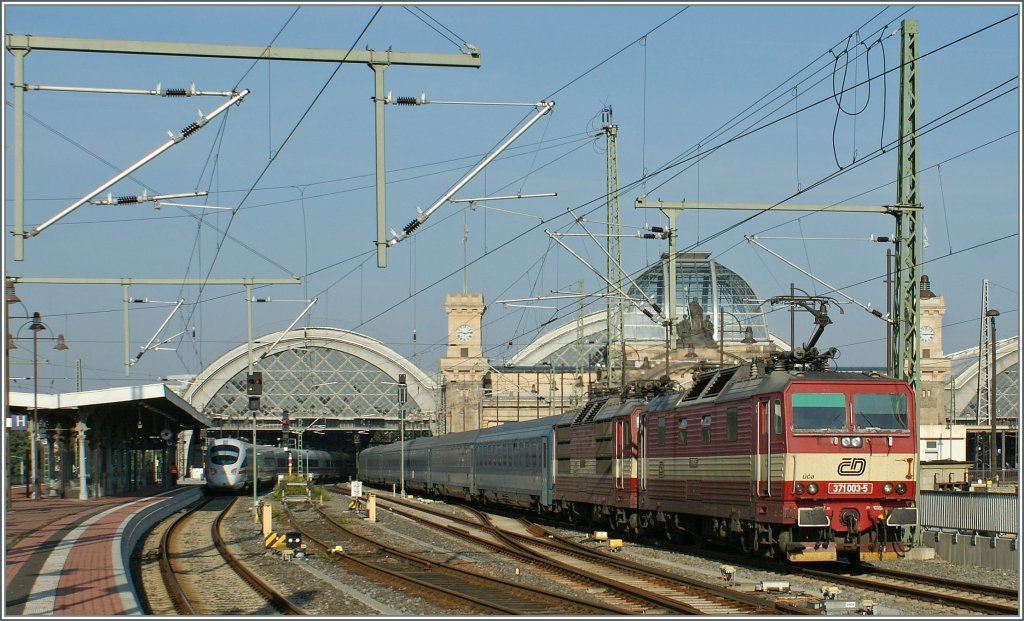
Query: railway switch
[[728, 572]]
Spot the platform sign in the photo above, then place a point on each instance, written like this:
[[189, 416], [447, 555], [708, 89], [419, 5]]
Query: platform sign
[[356, 489], [17, 422]]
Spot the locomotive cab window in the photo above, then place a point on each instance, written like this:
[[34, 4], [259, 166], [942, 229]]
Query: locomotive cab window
[[819, 411], [878, 411]]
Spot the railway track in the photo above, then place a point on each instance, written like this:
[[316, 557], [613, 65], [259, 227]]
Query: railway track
[[467, 590], [963, 596], [953, 596], [195, 573], [640, 589]]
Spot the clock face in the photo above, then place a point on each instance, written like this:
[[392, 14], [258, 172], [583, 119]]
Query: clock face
[[927, 334], [464, 332]]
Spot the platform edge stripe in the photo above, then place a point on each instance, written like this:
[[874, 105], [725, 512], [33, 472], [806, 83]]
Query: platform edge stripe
[[136, 525]]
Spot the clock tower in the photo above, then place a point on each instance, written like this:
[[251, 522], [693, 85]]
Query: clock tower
[[935, 367], [463, 366]]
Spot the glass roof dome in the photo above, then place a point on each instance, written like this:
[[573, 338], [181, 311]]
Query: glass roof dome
[[708, 294]]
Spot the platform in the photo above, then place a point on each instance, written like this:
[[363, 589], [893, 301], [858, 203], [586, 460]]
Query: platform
[[71, 557]]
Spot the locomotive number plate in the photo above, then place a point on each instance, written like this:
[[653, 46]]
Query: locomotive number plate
[[851, 488]]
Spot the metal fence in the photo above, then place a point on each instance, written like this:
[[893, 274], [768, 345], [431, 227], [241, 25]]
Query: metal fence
[[993, 513]]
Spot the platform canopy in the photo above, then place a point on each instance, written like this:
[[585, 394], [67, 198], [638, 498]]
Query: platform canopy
[[149, 407]]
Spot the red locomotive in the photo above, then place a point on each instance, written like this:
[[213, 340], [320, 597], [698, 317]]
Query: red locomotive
[[806, 464], [782, 457]]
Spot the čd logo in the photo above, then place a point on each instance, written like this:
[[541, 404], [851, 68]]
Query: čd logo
[[852, 466]]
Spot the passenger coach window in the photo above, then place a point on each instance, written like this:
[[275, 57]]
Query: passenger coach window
[[819, 411], [880, 411]]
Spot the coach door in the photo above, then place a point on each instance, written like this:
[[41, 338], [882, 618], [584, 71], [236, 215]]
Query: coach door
[[763, 451], [625, 455], [641, 453]]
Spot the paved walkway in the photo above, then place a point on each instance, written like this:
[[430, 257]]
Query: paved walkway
[[64, 556]]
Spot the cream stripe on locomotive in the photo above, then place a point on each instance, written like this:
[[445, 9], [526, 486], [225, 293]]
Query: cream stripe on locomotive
[[788, 466]]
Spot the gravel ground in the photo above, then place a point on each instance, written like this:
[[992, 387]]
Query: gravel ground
[[324, 588]]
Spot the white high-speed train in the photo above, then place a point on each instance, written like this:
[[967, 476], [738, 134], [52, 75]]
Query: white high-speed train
[[229, 464]]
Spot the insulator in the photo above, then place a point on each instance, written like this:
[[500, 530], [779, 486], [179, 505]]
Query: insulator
[[882, 238], [658, 229], [651, 236], [648, 313], [657, 308], [124, 200], [406, 101], [190, 129], [176, 92], [412, 226]]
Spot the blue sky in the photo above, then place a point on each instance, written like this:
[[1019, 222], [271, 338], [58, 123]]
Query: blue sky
[[295, 160]]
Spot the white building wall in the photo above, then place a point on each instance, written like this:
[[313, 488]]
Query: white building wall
[[941, 442]]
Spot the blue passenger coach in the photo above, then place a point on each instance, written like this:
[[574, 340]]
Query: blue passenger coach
[[511, 464]]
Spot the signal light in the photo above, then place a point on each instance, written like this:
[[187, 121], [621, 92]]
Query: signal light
[[254, 384]]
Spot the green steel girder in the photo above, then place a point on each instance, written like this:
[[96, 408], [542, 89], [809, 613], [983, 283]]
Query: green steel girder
[[907, 295]]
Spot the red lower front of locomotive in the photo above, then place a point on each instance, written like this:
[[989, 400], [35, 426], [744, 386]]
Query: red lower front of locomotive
[[846, 520]]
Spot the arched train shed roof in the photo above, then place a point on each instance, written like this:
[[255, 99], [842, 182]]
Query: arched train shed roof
[[344, 377]]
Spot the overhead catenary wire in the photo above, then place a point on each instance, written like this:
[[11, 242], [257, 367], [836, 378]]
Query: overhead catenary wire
[[287, 138], [644, 177]]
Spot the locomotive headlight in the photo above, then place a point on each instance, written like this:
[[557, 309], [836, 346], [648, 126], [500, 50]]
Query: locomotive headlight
[[812, 488], [846, 442], [887, 488], [901, 488], [856, 442], [798, 488]]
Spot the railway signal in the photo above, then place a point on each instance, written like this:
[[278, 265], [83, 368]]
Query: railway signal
[[254, 388]]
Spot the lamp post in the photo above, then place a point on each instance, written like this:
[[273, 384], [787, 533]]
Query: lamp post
[[37, 325], [992, 461], [10, 297], [402, 394]]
